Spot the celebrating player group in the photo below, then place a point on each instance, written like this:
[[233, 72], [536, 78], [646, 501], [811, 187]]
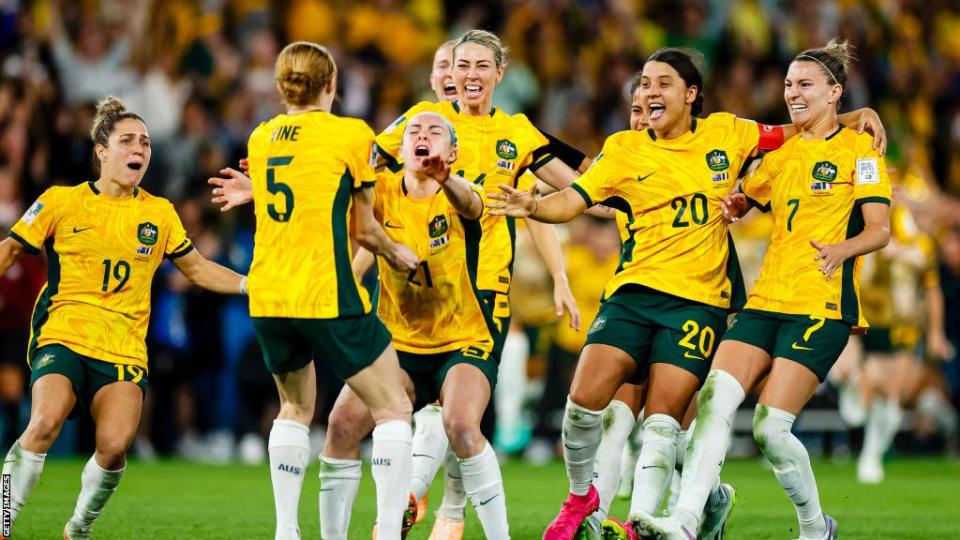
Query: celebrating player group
[[433, 200]]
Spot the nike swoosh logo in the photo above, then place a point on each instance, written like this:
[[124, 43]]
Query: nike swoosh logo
[[423, 455], [574, 448], [490, 499], [389, 225], [645, 467], [79, 230], [693, 356], [800, 347], [642, 178]]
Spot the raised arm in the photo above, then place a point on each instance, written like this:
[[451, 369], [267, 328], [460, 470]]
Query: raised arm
[[367, 231], [209, 275], [460, 193], [10, 251], [544, 238], [875, 235]]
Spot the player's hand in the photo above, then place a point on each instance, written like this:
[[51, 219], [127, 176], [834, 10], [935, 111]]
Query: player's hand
[[938, 347], [403, 258], [831, 257], [232, 191], [734, 206], [513, 202], [563, 300], [245, 166], [435, 167], [869, 121]]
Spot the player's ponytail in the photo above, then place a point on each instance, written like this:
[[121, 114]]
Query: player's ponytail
[[303, 70], [834, 60], [110, 111], [688, 64]]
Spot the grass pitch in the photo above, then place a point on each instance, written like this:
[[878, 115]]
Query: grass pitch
[[174, 499]]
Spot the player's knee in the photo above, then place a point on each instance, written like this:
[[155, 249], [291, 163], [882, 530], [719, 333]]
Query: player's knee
[[43, 429], [344, 431], [579, 396], [767, 433], [465, 436]]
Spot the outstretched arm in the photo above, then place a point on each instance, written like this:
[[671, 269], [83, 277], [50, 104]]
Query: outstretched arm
[[461, 195], [865, 119], [557, 207], [209, 275]]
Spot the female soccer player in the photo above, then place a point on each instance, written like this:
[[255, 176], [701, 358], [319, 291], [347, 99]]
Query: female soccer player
[[493, 146], [829, 194], [311, 190], [666, 306], [104, 241], [438, 320]]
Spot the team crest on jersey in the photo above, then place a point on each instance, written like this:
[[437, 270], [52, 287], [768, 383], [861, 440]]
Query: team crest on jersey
[[717, 160], [147, 233], [438, 226], [32, 212], [506, 149], [824, 171]]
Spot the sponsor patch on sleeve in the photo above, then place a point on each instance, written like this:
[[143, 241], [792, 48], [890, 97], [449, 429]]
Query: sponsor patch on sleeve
[[868, 171], [32, 212]]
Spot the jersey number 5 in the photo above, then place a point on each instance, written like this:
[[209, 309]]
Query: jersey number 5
[[275, 187]]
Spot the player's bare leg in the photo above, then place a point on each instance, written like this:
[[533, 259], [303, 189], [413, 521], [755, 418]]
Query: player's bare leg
[[116, 413], [465, 394], [52, 400]]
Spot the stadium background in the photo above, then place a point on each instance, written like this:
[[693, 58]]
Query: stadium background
[[201, 75]]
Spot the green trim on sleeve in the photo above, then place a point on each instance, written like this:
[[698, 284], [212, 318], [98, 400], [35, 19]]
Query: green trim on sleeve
[[27, 246], [543, 161], [583, 193], [363, 186], [882, 200], [178, 254]]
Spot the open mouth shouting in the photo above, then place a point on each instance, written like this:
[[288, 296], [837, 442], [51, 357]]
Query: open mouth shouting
[[449, 89]]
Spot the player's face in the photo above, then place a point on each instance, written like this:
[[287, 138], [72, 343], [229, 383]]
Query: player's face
[[441, 78], [638, 118], [810, 95], [426, 135], [475, 74], [665, 96], [125, 158]]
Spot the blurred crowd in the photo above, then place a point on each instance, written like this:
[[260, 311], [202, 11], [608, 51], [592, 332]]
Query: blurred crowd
[[201, 75]]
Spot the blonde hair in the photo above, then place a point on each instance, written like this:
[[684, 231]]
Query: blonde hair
[[834, 59], [110, 111], [486, 39], [302, 71]]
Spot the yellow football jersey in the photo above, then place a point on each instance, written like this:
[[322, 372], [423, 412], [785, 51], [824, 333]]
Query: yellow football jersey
[[435, 308], [815, 189], [102, 253], [675, 238], [305, 168], [492, 150]]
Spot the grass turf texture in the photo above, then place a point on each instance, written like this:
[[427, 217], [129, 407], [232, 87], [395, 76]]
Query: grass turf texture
[[174, 499]]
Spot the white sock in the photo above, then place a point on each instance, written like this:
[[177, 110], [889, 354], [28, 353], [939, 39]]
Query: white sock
[[791, 465], [717, 405], [429, 448], [289, 449], [892, 418], [96, 487], [581, 438], [392, 464], [683, 441], [23, 468], [512, 381], [484, 485], [934, 405], [339, 481], [658, 459], [454, 496], [618, 421], [631, 452]]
